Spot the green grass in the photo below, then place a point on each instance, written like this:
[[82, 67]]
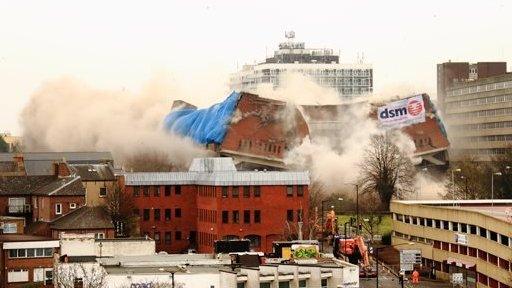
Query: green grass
[[385, 227]]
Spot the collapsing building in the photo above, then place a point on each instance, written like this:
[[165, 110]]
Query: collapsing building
[[257, 132]]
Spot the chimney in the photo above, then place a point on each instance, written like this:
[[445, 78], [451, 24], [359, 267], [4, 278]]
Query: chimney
[[61, 169], [20, 163]]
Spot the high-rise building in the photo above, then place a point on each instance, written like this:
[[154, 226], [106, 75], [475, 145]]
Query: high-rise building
[[476, 101], [321, 65]]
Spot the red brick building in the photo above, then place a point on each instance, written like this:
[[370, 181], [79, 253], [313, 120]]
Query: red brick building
[[213, 200], [26, 259]]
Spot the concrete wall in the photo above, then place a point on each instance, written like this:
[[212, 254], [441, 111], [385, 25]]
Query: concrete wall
[[86, 245]]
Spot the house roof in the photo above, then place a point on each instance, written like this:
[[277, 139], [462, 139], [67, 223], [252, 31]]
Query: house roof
[[84, 217], [41, 185], [41, 163], [94, 172]]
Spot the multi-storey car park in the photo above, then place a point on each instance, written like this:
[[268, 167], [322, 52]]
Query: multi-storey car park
[[472, 237], [323, 66]]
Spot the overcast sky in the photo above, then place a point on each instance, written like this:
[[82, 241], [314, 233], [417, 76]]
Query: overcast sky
[[118, 45]]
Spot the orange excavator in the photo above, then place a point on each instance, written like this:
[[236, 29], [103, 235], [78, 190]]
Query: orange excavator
[[357, 253]]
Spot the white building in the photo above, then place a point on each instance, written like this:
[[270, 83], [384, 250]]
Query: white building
[[350, 80]]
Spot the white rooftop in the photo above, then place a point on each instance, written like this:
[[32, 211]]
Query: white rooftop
[[219, 171]]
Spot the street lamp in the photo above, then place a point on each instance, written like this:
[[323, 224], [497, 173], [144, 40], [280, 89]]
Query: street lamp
[[173, 271], [492, 185], [453, 183], [377, 259]]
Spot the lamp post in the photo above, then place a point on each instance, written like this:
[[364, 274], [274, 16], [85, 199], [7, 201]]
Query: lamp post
[[377, 259], [492, 185], [173, 271], [453, 183]]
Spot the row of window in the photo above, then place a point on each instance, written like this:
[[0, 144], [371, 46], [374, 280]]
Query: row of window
[[31, 253], [246, 191], [206, 239], [155, 190], [157, 215], [246, 144], [488, 138], [235, 217], [482, 113], [167, 236], [479, 88], [483, 126], [480, 101], [491, 151], [459, 249], [455, 227], [339, 72]]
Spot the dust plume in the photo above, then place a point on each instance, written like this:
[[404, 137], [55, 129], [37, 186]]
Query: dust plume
[[68, 115]]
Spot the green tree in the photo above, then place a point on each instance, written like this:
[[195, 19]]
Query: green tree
[[473, 181], [4, 147]]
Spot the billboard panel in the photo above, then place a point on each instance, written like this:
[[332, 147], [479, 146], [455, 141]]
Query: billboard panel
[[402, 113]]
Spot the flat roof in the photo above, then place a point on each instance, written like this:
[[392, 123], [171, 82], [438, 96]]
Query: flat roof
[[500, 209]]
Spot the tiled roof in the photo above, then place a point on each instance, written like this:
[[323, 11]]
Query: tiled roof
[[41, 185], [94, 172], [84, 218]]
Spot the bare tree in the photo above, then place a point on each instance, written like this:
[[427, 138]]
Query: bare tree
[[372, 214], [472, 182], [120, 206], [386, 170], [84, 275]]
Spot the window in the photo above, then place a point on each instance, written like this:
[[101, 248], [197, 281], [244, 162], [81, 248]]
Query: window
[[177, 212], [257, 192], [17, 275], [234, 191], [225, 217], [483, 232], [156, 191], [58, 209], [10, 228], [136, 212], [156, 214], [145, 215], [177, 190], [177, 235], [247, 191], [167, 214], [446, 225], [136, 191], [438, 224], [167, 237], [167, 191], [472, 229], [103, 192], [72, 205], [264, 284], [257, 216], [224, 191], [493, 235], [463, 228], [300, 190], [504, 240], [145, 191], [284, 284], [455, 226], [429, 222], [31, 253], [157, 237], [289, 215], [303, 284], [247, 216], [99, 235], [236, 216], [240, 285], [323, 283], [289, 191]]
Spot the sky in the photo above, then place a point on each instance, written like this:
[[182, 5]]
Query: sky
[[120, 45]]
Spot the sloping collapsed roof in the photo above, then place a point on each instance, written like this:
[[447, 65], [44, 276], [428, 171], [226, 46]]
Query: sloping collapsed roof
[[41, 185], [201, 173], [84, 218], [204, 126]]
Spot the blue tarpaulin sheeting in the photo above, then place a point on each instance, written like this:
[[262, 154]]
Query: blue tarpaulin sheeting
[[204, 126]]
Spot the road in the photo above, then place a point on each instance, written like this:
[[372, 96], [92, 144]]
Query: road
[[388, 280]]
